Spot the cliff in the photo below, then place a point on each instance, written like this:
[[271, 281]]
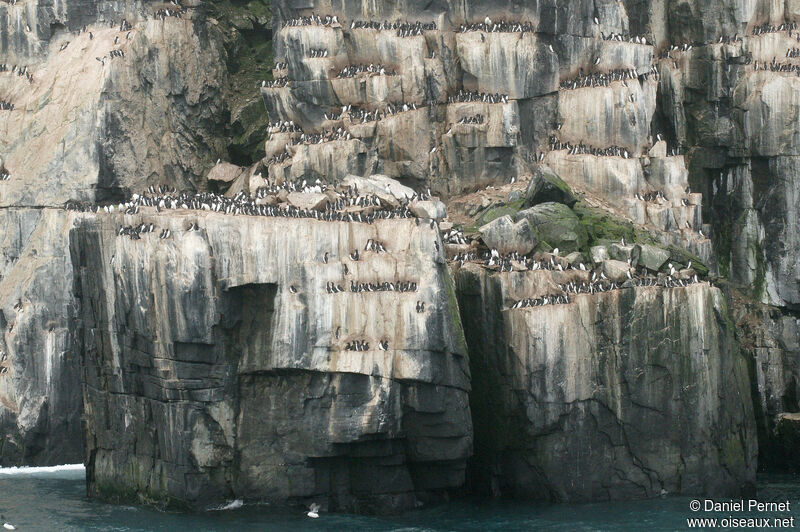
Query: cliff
[[86, 125], [629, 393], [651, 139], [217, 364]]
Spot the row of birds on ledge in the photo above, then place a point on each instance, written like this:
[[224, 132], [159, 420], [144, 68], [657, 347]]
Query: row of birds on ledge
[[585, 149], [18, 70], [407, 28], [386, 286], [401, 28], [351, 71], [598, 286], [339, 208], [596, 283], [604, 79], [363, 345], [775, 66]]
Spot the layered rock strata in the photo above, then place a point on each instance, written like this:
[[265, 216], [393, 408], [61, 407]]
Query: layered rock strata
[[627, 393], [218, 365], [107, 98]]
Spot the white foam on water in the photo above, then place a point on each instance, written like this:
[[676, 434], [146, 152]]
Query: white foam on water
[[233, 505], [34, 470]]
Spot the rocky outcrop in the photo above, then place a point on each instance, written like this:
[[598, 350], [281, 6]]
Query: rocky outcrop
[[771, 340], [40, 397], [620, 394], [216, 368], [86, 126], [213, 362]]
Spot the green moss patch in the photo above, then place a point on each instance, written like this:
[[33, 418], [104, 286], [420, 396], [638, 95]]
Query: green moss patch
[[246, 30]]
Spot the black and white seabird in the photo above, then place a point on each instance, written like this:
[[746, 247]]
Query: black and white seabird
[[313, 511], [6, 525]]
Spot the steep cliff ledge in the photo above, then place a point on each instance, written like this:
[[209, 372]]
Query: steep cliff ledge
[[219, 361], [624, 394], [218, 365]]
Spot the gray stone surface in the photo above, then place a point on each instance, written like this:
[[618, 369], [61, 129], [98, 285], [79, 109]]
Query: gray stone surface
[[546, 186], [87, 131], [652, 257], [557, 225], [40, 398], [621, 394], [505, 236], [616, 270], [428, 209], [599, 254], [82, 130], [221, 383]]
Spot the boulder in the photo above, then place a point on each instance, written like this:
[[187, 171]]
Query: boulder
[[506, 236], [225, 172], [545, 186], [599, 254], [308, 200], [430, 209], [659, 149], [515, 195], [652, 257], [616, 270], [556, 224], [496, 211], [377, 184], [626, 253], [574, 258]]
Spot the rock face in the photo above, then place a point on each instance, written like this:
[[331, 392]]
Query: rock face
[[218, 369], [85, 126], [40, 397], [546, 186], [771, 341], [615, 395], [215, 363], [555, 224]]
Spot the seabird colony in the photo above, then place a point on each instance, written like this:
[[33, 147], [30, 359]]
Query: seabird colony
[[604, 79], [18, 70], [352, 71], [463, 96], [401, 28], [368, 209], [499, 26], [593, 282]]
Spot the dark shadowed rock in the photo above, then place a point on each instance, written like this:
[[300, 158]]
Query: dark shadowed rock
[[615, 395], [545, 186], [232, 379]]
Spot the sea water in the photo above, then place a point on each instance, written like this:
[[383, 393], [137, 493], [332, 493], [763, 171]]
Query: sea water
[[54, 499]]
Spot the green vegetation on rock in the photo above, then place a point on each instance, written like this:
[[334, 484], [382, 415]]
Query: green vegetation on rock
[[246, 29]]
